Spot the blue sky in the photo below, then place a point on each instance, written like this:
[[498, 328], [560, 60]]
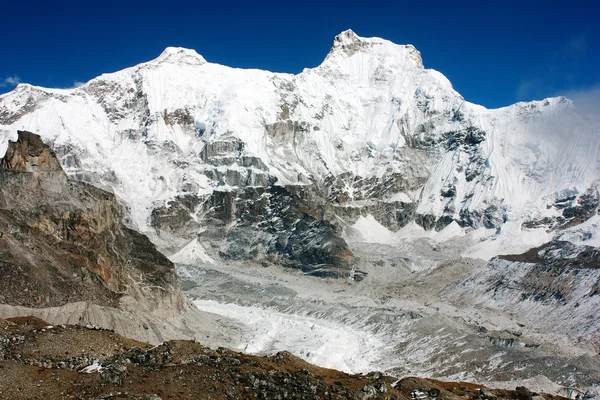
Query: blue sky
[[494, 53]]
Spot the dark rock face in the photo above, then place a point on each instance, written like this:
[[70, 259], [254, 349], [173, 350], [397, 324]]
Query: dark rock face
[[118, 100], [556, 265], [448, 191], [63, 241], [178, 117], [350, 196], [427, 221], [276, 224], [314, 243], [228, 148], [281, 130], [391, 214], [586, 206], [349, 43], [575, 210], [467, 138], [560, 254], [242, 170], [175, 216]]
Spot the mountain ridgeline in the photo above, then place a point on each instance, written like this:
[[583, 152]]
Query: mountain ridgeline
[[216, 162]]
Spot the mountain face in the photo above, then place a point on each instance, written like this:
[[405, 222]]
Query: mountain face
[[213, 161]]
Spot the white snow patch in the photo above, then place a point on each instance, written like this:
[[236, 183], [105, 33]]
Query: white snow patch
[[453, 230], [95, 367], [372, 231], [403, 197], [191, 254], [511, 239], [5, 136], [412, 230]]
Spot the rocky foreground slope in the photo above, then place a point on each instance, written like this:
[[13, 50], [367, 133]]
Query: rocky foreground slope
[[38, 361], [65, 254]]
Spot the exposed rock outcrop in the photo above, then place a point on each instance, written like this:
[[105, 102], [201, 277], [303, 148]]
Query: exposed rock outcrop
[[559, 280], [285, 224], [65, 252], [30, 154], [64, 241]]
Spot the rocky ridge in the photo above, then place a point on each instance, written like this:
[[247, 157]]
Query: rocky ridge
[[555, 287], [99, 364], [66, 255]]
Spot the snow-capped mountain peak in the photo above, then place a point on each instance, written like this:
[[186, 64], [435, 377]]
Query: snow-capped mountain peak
[[370, 130], [179, 55], [348, 43]]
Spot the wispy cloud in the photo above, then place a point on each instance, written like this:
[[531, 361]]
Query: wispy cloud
[[586, 100], [77, 84], [576, 45], [10, 81], [561, 70], [572, 48], [528, 88]]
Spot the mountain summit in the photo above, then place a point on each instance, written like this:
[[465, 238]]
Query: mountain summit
[[178, 55], [349, 43]]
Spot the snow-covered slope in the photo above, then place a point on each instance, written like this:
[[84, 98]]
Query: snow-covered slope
[[370, 131]]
